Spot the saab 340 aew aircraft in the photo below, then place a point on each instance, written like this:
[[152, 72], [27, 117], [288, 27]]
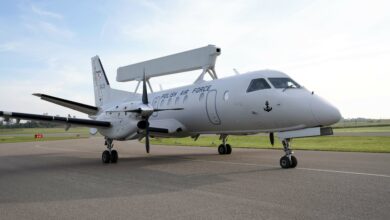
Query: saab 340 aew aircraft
[[261, 101]]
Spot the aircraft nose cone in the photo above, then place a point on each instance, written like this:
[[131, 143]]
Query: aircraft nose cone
[[324, 112]]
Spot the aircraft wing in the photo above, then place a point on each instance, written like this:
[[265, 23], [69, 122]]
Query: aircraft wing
[[87, 109], [166, 126], [56, 119]]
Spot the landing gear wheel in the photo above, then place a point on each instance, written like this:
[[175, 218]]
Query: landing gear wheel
[[106, 157], [228, 149], [222, 149], [114, 156], [294, 162], [285, 162]]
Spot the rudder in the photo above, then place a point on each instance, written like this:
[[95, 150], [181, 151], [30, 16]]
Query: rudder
[[100, 82]]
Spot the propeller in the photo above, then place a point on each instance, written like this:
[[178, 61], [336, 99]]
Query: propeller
[[146, 110], [144, 91], [147, 144], [145, 117], [271, 138]]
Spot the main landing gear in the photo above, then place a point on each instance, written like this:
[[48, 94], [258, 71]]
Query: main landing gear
[[224, 148], [109, 155], [288, 161]]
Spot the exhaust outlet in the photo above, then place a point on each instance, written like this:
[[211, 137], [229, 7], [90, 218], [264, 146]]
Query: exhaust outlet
[[143, 124]]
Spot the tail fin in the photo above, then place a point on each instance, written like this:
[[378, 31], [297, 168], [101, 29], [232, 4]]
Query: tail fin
[[100, 82]]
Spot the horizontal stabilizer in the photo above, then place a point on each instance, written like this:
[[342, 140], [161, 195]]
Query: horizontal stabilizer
[[87, 109], [56, 119]]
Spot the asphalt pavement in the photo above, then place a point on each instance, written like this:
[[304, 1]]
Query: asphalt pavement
[[66, 180]]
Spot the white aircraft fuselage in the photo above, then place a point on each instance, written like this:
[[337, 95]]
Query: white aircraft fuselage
[[224, 106]]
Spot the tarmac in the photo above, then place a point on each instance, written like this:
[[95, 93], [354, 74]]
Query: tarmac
[[67, 180]]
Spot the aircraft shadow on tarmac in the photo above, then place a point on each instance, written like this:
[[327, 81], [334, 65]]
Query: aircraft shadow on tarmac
[[54, 177]]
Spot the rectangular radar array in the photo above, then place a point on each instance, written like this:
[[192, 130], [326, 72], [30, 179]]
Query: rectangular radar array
[[201, 58]]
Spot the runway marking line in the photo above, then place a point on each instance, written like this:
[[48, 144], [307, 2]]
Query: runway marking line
[[62, 149], [298, 168], [344, 172]]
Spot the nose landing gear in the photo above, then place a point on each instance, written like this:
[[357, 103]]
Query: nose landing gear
[[289, 160], [224, 148], [109, 155]]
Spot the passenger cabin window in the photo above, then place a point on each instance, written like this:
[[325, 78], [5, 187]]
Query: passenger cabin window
[[185, 99], [283, 83], [258, 84], [177, 100]]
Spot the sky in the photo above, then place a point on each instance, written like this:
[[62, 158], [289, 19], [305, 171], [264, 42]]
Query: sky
[[339, 49]]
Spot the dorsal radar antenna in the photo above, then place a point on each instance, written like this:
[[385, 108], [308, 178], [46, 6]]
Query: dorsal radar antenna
[[203, 58]]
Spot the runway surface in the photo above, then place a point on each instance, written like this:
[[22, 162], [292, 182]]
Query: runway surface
[[66, 180]]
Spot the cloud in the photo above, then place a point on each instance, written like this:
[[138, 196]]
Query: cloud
[[45, 13], [41, 23], [65, 80], [9, 46], [328, 46], [48, 29], [339, 49]]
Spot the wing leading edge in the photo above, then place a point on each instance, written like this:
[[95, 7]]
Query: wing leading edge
[[56, 119]]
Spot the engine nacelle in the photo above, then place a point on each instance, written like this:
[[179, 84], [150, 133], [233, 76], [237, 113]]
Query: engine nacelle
[[122, 127]]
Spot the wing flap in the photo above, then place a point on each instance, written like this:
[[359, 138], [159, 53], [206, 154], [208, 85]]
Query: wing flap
[[158, 130], [168, 126], [56, 119]]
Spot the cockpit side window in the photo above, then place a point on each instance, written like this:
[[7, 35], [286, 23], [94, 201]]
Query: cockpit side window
[[258, 84], [283, 83]]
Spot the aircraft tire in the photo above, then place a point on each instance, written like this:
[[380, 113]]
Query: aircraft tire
[[106, 157], [228, 149], [285, 162], [294, 162], [222, 149], [114, 156]]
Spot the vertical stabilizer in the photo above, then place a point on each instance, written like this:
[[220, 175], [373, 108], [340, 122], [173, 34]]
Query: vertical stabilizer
[[100, 82]]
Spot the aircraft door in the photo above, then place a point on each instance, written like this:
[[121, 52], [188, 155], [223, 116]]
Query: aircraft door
[[155, 105], [211, 107]]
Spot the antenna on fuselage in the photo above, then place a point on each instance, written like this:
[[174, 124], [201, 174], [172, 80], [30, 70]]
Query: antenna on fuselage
[[236, 72]]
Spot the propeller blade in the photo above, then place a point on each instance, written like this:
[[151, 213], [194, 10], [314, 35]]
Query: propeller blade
[[144, 91], [167, 109], [138, 110], [271, 138], [147, 145]]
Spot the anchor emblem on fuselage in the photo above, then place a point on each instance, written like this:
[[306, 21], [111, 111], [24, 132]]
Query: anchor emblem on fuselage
[[267, 107]]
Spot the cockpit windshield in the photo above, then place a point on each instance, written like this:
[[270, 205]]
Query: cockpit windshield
[[258, 84], [283, 83]]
